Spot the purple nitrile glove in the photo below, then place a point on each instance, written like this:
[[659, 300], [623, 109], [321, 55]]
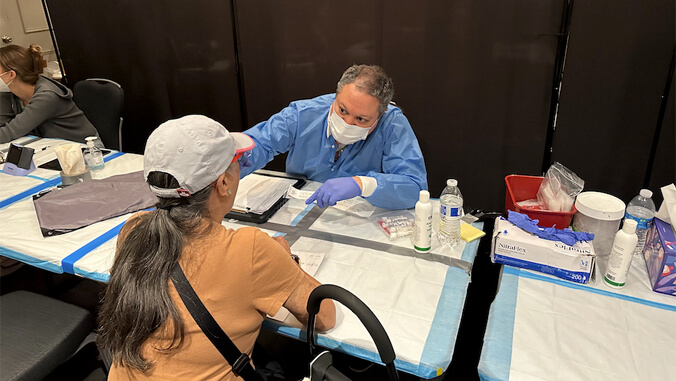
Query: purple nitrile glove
[[334, 190]]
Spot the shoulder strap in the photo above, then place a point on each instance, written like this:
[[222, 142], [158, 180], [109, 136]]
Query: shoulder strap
[[240, 362]]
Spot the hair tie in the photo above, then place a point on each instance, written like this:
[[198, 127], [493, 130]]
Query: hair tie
[[165, 207]]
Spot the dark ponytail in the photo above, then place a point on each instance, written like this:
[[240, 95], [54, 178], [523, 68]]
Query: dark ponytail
[[137, 300]]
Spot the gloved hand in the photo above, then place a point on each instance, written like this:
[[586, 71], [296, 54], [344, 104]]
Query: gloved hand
[[334, 190], [566, 236]]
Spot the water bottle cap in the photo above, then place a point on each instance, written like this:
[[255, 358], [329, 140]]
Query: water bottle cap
[[647, 193], [629, 226], [452, 182], [424, 196]]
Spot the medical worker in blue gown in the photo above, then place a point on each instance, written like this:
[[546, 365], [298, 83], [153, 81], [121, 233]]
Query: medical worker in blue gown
[[354, 141]]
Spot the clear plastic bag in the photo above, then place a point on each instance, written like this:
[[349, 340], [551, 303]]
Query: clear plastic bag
[[559, 188], [397, 225]]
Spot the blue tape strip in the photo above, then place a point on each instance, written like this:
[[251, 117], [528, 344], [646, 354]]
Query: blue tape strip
[[70, 260], [29, 192], [405, 366], [49, 266], [496, 353], [530, 275], [278, 234], [93, 275], [37, 178], [469, 253], [302, 214], [440, 343], [112, 156]]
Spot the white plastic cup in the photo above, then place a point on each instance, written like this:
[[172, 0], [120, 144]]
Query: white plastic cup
[[601, 214]]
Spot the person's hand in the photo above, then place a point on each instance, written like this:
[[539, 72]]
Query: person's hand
[[334, 190], [280, 240]]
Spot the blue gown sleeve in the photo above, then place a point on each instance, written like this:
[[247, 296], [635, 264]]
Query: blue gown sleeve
[[403, 169], [272, 137]]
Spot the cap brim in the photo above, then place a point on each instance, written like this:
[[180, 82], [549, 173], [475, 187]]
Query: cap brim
[[243, 142]]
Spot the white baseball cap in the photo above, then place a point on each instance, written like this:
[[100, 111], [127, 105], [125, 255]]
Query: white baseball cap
[[196, 150]]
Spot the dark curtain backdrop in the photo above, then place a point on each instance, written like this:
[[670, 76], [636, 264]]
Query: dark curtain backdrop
[[473, 77], [617, 68], [172, 58]]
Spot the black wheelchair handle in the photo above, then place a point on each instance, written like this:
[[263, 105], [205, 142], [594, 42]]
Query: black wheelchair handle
[[365, 315]]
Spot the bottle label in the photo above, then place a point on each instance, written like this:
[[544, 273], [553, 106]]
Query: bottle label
[[450, 212], [642, 223]]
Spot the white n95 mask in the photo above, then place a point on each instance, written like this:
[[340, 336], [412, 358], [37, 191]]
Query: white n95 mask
[[4, 87], [346, 133]]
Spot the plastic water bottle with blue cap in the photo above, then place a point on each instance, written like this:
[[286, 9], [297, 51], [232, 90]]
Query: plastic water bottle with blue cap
[[642, 210], [450, 213], [93, 155]]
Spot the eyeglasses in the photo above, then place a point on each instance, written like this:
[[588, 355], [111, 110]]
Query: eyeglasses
[[243, 158]]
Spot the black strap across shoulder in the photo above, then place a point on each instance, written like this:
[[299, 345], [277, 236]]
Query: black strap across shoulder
[[240, 362]]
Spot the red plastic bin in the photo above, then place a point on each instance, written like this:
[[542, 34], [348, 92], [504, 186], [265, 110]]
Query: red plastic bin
[[520, 188]]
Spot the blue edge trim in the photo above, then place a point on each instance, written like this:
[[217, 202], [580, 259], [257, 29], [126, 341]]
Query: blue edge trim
[[440, 343], [495, 361]]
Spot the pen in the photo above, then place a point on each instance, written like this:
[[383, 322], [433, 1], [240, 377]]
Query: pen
[[42, 149]]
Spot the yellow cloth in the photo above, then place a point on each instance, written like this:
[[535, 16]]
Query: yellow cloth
[[469, 233]]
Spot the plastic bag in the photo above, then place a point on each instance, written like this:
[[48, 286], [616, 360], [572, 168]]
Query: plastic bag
[[396, 225], [559, 188]]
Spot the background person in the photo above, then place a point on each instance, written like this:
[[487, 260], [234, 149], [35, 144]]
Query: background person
[[354, 141], [34, 104], [192, 165]]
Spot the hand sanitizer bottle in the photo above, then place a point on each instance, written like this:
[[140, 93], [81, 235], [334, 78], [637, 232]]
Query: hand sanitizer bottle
[[93, 155]]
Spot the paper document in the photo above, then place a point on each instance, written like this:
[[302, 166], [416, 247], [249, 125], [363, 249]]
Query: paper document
[[309, 262], [257, 193], [298, 194], [357, 205]]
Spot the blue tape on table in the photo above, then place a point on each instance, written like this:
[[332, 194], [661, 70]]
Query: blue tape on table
[[302, 214], [405, 366], [29, 192], [438, 348], [496, 354], [70, 260], [469, 253], [112, 156], [444, 330], [560, 282], [49, 266]]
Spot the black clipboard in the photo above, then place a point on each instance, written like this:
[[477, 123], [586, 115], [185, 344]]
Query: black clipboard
[[262, 218]]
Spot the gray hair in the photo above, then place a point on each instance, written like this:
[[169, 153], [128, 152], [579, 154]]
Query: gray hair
[[369, 79]]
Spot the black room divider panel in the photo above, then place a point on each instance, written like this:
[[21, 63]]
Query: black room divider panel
[[172, 58]]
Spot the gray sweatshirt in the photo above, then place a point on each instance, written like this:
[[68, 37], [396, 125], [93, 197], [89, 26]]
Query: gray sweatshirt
[[51, 113]]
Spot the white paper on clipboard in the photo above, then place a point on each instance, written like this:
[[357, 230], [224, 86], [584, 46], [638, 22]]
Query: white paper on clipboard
[[309, 262], [258, 193]]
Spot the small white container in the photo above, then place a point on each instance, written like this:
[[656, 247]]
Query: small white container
[[601, 214], [621, 255], [422, 238]]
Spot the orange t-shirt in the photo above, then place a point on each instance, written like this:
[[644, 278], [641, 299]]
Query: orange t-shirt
[[240, 276]]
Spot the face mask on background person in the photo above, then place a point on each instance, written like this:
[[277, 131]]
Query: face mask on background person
[[346, 133], [4, 87]]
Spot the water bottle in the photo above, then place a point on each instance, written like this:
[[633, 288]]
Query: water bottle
[[450, 213], [642, 210], [93, 155]]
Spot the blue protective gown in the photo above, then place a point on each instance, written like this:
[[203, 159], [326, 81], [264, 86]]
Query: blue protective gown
[[390, 154]]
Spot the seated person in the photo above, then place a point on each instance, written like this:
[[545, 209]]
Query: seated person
[[354, 141], [192, 165], [33, 104]]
